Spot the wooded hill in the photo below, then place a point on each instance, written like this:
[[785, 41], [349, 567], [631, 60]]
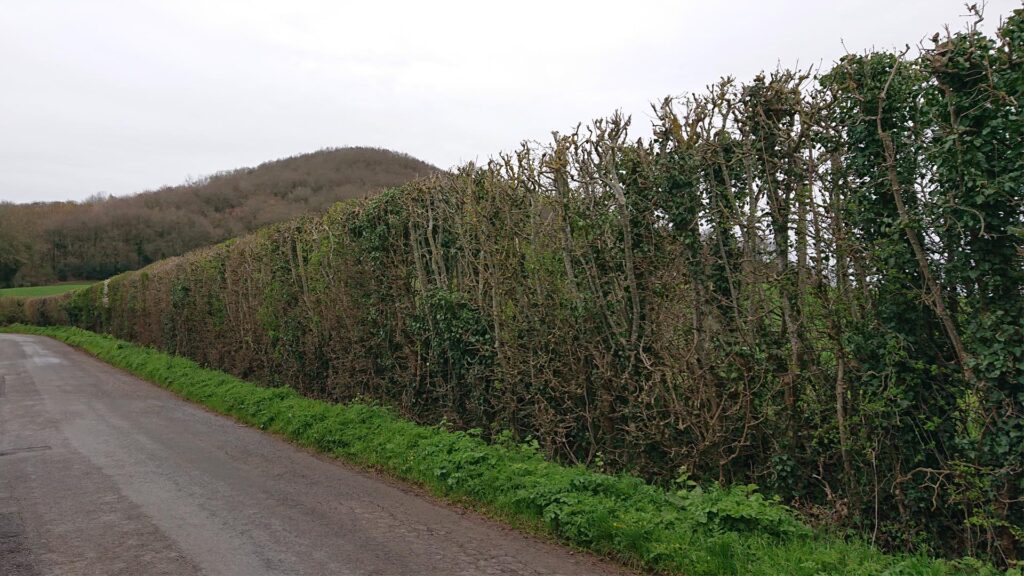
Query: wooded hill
[[42, 243]]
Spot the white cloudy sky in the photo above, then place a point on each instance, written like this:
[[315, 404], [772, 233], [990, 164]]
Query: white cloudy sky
[[124, 96]]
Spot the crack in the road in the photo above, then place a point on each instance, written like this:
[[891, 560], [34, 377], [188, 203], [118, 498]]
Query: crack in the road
[[10, 451]]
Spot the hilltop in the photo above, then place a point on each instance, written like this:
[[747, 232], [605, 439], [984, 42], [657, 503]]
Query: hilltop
[[45, 242]]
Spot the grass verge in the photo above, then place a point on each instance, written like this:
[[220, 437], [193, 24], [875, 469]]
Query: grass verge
[[36, 291], [692, 530]]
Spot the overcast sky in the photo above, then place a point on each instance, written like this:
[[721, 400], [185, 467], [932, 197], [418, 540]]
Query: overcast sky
[[121, 97]]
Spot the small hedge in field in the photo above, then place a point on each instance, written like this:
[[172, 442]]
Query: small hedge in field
[[692, 530]]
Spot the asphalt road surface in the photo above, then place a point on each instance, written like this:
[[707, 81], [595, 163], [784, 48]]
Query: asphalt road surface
[[103, 473]]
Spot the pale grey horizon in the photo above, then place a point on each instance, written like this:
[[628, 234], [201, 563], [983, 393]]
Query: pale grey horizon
[[120, 97]]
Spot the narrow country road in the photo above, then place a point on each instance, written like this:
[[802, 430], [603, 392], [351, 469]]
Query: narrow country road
[[102, 473]]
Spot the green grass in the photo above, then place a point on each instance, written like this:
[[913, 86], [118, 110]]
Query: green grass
[[35, 291], [691, 530]]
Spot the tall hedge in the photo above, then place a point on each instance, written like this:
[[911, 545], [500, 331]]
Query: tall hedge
[[811, 282]]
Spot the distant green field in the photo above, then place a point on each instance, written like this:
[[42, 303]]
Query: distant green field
[[33, 291]]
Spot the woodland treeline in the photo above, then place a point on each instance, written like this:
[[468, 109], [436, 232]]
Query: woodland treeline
[[812, 282], [42, 243]]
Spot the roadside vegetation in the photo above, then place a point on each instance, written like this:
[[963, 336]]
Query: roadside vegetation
[[689, 529], [812, 281]]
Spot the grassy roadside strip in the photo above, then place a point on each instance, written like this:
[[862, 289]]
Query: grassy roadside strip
[[691, 531]]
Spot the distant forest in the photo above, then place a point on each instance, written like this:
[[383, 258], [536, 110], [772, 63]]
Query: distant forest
[[47, 242]]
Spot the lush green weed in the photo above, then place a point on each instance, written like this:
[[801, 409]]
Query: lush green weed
[[693, 531]]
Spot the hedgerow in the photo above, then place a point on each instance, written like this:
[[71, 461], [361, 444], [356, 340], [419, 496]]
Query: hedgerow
[[809, 282]]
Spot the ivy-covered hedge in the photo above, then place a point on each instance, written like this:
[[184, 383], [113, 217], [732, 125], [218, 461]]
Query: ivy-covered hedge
[[808, 282]]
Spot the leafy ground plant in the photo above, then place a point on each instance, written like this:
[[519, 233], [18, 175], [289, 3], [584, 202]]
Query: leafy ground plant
[[694, 530]]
